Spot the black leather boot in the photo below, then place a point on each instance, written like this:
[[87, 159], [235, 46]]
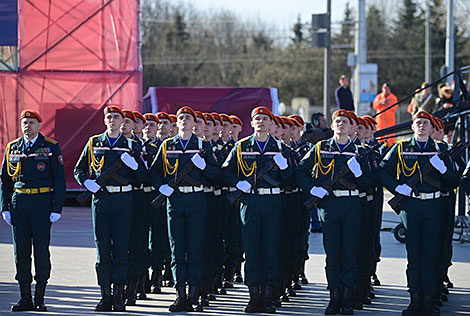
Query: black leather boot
[[356, 298], [364, 294], [181, 303], [131, 293], [429, 305], [194, 298], [147, 284], [238, 273], [156, 282], [39, 293], [118, 298], [141, 285], [106, 302], [254, 305], [415, 307], [375, 280], [303, 278], [204, 293], [228, 277], [346, 301], [268, 300], [335, 302], [26, 302]]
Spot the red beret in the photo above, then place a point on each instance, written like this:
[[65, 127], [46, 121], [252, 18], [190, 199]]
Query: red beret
[[370, 119], [216, 116], [262, 110], [286, 121], [298, 118], [353, 116], [422, 114], [361, 121], [139, 115], [200, 115], [129, 114], [151, 117], [113, 109], [173, 118], [225, 117], [341, 113], [278, 121], [439, 122], [186, 109], [236, 120], [163, 116], [31, 114], [209, 117]]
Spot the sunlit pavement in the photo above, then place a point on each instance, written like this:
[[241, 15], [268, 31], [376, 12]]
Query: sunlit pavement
[[72, 289]]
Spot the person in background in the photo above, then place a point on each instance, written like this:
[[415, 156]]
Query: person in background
[[381, 102], [424, 100], [344, 97]]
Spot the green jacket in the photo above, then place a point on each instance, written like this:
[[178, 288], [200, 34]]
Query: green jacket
[[249, 152], [41, 166], [309, 172], [97, 150], [412, 153], [171, 157]]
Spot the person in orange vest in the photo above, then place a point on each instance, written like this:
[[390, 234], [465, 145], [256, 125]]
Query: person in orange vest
[[382, 101]]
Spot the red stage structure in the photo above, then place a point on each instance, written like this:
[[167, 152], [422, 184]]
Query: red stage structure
[[73, 57]]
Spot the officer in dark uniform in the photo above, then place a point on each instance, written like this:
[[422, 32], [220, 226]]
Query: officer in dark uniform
[[111, 204], [422, 208], [186, 208], [339, 207], [261, 225], [32, 196]]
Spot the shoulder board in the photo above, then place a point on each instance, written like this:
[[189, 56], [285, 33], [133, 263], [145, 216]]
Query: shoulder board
[[244, 139], [95, 136], [166, 140], [13, 141], [50, 140]]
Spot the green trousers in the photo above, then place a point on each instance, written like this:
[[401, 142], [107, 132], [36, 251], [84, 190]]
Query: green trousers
[[261, 217], [445, 236], [139, 235], [341, 225], [112, 214], [422, 222], [159, 243], [31, 228], [186, 218]]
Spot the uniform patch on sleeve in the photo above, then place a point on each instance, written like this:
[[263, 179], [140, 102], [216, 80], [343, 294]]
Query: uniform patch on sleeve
[[61, 159]]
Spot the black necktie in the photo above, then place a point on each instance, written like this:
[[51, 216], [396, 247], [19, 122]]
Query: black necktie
[[29, 145]]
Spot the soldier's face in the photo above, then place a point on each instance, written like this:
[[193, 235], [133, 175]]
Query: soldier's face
[[139, 126], [217, 128], [235, 130], [150, 129], [361, 132], [225, 130], [164, 127], [113, 121], [353, 129], [322, 122], [209, 129], [422, 127], [127, 126], [185, 122], [341, 125], [30, 127], [198, 128], [261, 123]]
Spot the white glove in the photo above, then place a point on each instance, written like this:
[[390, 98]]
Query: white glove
[[129, 161], [91, 185], [7, 217], [244, 186], [198, 161], [54, 217], [437, 163], [355, 167], [403, 189], [165, 189], [280, 161], [318, 192]]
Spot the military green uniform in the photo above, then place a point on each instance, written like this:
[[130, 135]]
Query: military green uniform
[[339, 211], [260, 210], [421, 213], [186, 209], [32, 186], [111, 206]]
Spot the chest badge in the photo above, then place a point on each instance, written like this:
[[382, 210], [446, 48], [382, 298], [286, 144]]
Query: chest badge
[[41, 166]]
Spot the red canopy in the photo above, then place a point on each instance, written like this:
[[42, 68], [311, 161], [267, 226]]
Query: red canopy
[[74, 56]]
